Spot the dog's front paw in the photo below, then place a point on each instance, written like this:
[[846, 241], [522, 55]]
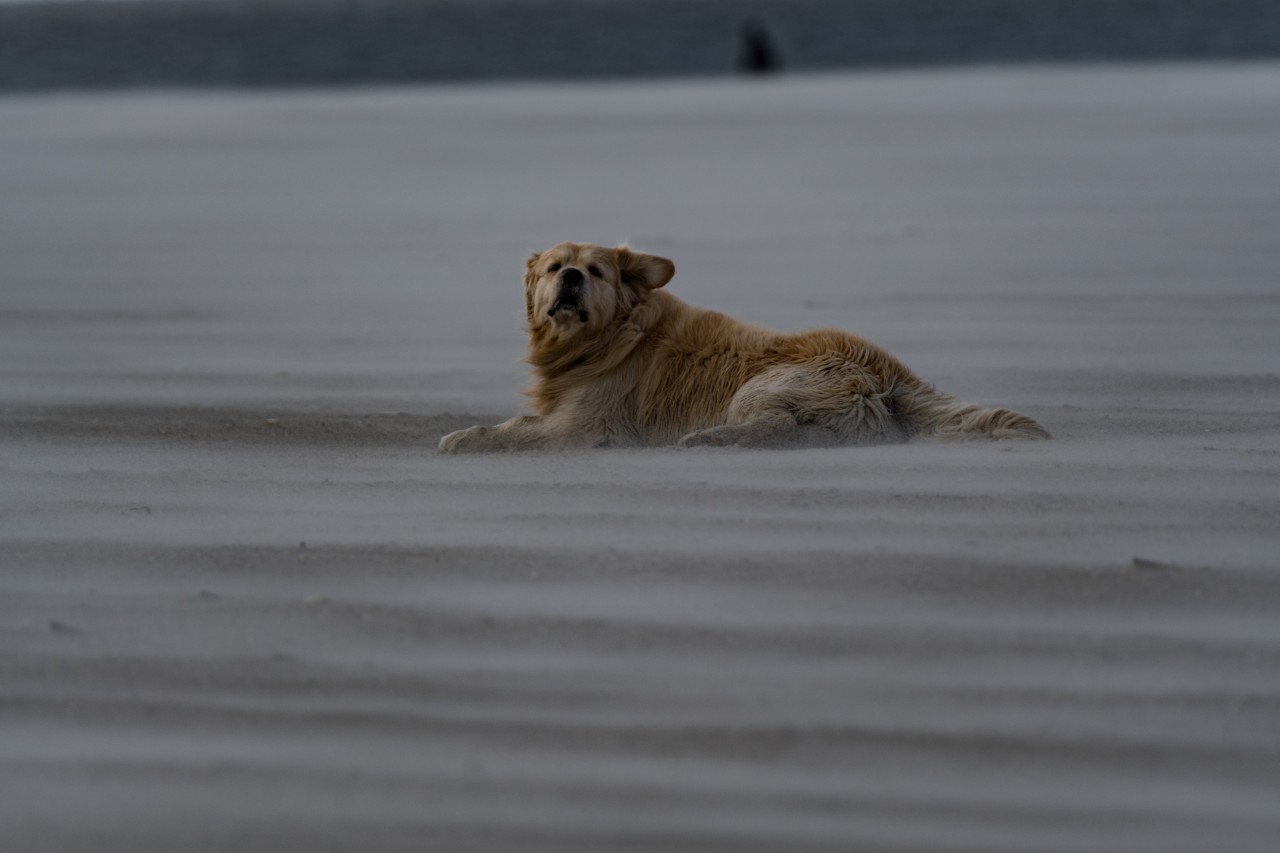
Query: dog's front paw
[[470, 440]]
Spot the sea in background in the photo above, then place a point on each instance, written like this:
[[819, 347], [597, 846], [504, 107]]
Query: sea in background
[[91, 44]]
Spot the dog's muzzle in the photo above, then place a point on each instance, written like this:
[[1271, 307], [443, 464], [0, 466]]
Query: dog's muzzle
[[569, 296]]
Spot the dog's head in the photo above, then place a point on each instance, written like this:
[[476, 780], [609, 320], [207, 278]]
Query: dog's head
[[577, 289]]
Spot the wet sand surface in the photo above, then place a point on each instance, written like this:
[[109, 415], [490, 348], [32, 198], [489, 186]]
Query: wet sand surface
[[243, 604]]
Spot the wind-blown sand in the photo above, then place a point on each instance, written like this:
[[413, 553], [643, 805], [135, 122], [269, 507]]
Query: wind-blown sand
[[244, 606]]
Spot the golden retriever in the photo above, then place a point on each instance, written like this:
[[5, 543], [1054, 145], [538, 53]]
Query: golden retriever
[[619, 362]]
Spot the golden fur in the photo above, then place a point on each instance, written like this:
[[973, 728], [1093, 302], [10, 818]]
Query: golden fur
[[620, 362]]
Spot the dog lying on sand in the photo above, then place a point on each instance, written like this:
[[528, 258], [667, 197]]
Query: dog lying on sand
[[619, 362]]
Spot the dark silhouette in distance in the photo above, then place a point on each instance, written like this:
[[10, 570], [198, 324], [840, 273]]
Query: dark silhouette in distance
[[759, 55]]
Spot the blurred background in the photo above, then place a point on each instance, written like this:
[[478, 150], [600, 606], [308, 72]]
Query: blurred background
[[55, 44]]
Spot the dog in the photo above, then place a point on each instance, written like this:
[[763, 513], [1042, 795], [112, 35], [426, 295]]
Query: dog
[[620, 362]]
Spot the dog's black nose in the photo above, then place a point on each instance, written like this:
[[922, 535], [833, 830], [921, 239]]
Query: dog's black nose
[[571, 276]]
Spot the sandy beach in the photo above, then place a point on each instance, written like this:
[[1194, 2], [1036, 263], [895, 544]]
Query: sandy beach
[[245, 606]]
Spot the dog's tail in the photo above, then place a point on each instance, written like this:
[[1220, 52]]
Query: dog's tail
[[926, 411]]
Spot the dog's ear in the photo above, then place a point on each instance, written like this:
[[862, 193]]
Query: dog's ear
[[641, 271], [529, 278], [530, 264]]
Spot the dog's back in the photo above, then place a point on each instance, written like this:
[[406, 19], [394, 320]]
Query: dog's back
[[700, 369]]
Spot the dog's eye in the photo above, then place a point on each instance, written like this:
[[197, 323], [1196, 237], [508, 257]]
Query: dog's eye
[[595, 271], [554, 268]]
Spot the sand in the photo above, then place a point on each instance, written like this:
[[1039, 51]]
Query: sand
[[244, 606]]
